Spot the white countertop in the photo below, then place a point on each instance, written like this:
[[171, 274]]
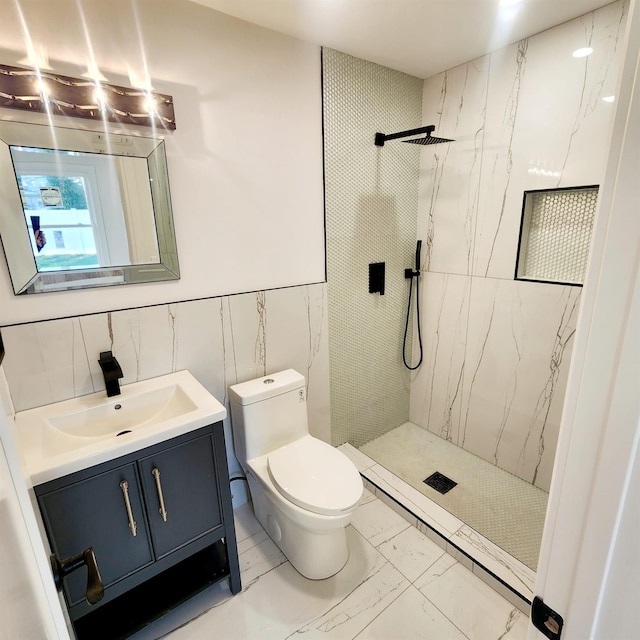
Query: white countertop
[[47, 452]]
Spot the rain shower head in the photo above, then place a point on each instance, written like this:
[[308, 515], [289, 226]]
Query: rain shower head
[[381, 138], [428, 140]]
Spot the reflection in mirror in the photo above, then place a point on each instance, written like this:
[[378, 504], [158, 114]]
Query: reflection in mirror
[[83, 209]]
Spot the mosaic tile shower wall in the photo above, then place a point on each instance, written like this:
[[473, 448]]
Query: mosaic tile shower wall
[[371, 213]]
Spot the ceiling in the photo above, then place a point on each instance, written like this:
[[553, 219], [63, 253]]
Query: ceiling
[[419, 37]]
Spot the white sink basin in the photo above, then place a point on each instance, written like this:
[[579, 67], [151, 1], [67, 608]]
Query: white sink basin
[[123, 415], [68, 436]]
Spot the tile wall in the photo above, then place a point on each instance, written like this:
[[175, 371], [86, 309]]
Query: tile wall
[[497, 352], [371, 208], [220, 340]]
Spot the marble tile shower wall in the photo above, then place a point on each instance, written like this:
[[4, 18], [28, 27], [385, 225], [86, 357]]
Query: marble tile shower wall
[[220, 340], [497, 351]]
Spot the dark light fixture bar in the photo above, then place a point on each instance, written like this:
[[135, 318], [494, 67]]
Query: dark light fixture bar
[[42, 91]]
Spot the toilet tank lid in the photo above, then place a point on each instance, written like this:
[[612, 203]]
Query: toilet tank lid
[[266, 387]]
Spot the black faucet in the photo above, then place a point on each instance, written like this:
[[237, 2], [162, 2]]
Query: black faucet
[[111, 371]]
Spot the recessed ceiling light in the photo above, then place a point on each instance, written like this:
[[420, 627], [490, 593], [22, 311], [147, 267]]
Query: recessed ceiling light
[[609, 98], [581, 53]]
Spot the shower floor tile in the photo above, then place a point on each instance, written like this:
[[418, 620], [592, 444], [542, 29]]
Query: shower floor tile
[[492, 502]]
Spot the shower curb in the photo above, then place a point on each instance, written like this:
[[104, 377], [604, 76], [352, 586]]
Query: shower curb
[[504, 574]]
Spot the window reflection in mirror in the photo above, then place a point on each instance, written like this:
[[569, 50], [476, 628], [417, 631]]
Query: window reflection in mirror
[[83, 208], [65, 196]]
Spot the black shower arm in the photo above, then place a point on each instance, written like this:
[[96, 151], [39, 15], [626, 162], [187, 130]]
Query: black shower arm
[[381, 138]]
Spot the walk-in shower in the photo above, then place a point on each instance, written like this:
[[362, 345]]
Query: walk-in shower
[[497, 349]]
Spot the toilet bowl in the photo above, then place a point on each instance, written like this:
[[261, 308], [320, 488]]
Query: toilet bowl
[[304, 491]]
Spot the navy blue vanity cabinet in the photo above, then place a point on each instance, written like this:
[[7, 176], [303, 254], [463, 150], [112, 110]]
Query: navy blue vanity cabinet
[[181, 494], [160, 522], [93, 513]]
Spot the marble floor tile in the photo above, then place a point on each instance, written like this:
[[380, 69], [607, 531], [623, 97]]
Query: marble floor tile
[[257, 555], [378, 522], [372, 597], [411, 552], [367, 496], [496, 560], [413, 617], [282, 603], [245, 522], [478, 611]]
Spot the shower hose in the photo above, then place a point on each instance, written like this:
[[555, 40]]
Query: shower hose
[[406, 325]]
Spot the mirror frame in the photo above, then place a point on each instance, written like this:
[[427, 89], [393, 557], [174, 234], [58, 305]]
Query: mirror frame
[[23, 271]]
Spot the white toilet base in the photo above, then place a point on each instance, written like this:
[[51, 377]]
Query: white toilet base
[[315, 554]]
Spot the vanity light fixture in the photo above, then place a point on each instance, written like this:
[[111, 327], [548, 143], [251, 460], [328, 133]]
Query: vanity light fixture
[[582, 52], [42, 91]]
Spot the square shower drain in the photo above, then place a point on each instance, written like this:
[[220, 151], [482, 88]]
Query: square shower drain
[[440, 482]]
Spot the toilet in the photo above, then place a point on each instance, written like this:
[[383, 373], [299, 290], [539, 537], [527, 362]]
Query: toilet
[[304, 491]]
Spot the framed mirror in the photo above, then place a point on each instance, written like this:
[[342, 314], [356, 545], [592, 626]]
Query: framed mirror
[[83, 209]]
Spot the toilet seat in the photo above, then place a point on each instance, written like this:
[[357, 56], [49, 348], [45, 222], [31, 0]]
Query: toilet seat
[[315, 476]]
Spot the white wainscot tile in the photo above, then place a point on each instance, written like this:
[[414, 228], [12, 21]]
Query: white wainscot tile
[[426, 510], [200, 346], [411, 616], [519, 345], [411, 552], [247, 332], [46, 362], [478, 611], [495, 560], [450, 172], [297, 338], [142, 340], [437, 385], [282, 603]]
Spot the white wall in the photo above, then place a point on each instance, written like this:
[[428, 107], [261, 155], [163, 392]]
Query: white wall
[[245, 163], [29, 605], [246, 175], [529, 116]]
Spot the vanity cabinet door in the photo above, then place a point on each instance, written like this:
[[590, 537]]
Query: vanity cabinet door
[[181, 494], [94, 513]]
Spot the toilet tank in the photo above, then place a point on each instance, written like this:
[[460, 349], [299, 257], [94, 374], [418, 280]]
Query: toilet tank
[[267, 413]]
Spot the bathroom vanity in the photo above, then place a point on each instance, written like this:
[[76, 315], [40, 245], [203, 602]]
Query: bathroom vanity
[[146, 488]]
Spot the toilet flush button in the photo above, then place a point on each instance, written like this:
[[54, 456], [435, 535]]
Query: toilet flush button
[[268, 381]]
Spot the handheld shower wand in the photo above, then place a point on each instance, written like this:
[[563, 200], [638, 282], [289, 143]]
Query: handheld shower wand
[[410, 275]]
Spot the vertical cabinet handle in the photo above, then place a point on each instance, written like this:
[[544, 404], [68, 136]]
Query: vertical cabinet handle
[[162, 510], [124, 485]]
